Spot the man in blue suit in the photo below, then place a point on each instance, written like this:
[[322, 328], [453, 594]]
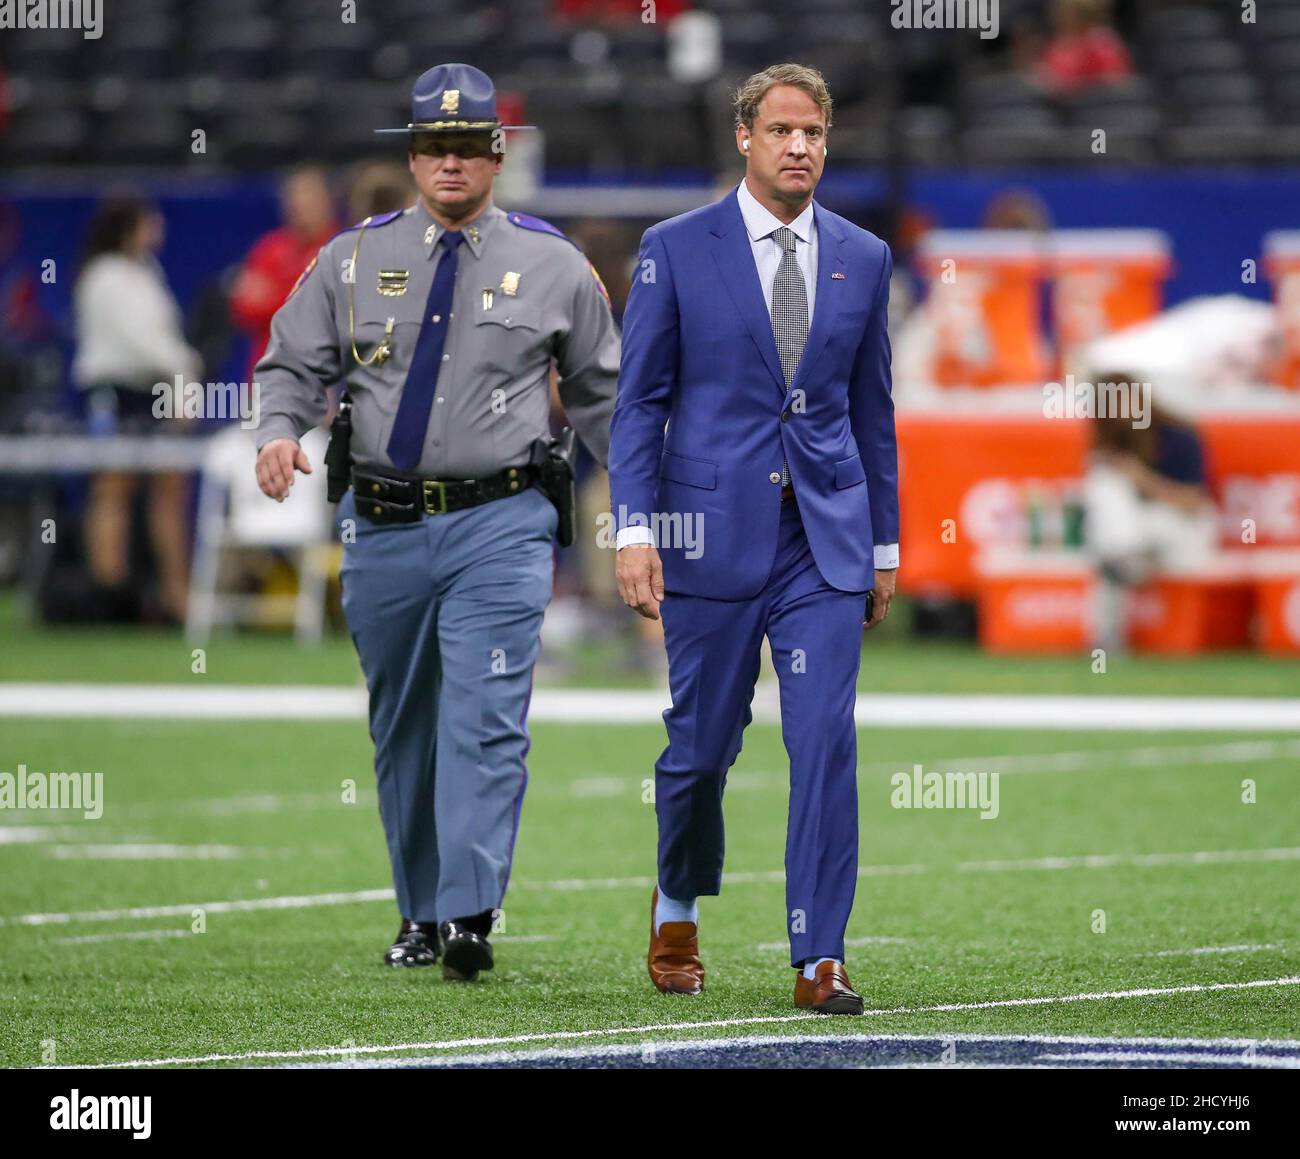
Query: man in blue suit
[[754, 480]]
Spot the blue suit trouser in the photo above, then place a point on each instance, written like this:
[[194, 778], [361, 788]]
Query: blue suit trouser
[[445, 615], [714, 650]]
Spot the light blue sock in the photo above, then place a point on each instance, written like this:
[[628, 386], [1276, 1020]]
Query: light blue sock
[[668, 910], [810, 967]]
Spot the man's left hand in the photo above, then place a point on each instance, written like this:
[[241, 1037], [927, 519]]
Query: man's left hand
[[884, 592]]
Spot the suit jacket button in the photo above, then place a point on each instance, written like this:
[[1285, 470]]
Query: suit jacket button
[[785, 416], [775, 477]]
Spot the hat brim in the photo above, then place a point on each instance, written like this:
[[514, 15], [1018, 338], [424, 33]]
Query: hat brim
[[454, 127]]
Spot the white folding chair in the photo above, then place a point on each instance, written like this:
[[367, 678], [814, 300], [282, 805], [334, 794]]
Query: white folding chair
[[233, 513]]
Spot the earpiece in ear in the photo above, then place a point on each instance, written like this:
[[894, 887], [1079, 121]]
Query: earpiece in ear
[[745, 146]]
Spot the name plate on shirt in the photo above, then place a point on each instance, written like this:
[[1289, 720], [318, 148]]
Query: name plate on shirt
[[392, 283]]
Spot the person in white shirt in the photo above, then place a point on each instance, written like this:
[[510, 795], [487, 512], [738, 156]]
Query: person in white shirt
[[129, 338]]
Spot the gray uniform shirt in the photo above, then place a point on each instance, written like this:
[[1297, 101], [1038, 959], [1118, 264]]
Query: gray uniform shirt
[[493, 392]]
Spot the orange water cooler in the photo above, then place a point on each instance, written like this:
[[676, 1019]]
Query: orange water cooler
[[984, 293], [1103, 280], [1282, 267]]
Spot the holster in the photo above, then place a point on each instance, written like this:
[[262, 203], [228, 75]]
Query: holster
[[554, 460], [338, 455]]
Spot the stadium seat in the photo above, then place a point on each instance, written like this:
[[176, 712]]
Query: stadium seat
[[236, 48], [261, 141], [47, 137], [141, 48]]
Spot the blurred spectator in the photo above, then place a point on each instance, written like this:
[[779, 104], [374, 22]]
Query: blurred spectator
[[376, 187], [128, 339], [277, 258], [1084, 49], [615, 11], [1148, 509], [1017, 208]]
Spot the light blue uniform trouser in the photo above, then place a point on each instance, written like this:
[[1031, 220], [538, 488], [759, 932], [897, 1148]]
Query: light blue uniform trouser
[[445, 615]]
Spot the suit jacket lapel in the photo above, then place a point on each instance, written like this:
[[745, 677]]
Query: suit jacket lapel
[[735, 258], [830, 261]]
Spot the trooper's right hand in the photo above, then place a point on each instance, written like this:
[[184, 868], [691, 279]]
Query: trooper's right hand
[[275, 466]]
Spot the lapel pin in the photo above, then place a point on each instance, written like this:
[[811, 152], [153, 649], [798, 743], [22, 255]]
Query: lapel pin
[[837, 277], [429, 234]]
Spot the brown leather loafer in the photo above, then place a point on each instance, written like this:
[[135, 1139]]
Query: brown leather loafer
[[829, 993], [674, 958]]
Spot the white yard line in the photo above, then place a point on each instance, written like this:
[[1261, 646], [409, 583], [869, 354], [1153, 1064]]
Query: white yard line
[[784, 947], [1070, 761], [607, 1032], [156, 852], [129, 936], [243, 905], [201, 701], [37, 834], [1245, 949], [1139, 860], [581, 884]]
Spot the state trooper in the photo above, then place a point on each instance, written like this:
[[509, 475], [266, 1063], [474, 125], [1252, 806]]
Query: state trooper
[[443, 319]]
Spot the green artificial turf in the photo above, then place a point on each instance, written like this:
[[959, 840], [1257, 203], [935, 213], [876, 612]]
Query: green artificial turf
[[310, 978], [893, 661]]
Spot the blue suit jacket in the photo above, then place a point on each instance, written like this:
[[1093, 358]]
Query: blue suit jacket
[[703, 420]]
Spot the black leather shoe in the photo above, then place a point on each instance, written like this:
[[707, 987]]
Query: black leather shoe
[[465, 952], [416, 945]]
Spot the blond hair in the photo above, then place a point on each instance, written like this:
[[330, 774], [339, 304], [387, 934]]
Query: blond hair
[[750, 94]]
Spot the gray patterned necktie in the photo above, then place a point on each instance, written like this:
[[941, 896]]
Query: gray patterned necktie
[[789, 315]]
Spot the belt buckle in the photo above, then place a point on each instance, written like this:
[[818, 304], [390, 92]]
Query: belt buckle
[[434, 487]]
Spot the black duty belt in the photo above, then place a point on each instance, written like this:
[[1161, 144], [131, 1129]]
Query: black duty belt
[[396, 499]]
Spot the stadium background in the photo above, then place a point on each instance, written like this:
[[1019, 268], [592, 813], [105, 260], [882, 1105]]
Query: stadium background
[[1124, 788]]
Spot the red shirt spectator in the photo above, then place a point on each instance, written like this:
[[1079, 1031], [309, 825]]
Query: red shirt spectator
[[1085, 50], [1097, 56], [277, 258], [616, 11]]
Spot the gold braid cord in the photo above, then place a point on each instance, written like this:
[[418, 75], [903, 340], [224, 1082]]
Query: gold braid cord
[[381, 353]]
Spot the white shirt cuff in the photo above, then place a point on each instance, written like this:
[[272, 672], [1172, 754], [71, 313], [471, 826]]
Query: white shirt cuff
[[886, 556], [631, 536]]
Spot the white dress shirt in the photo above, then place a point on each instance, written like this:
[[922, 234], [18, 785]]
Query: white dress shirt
[[761, 224]]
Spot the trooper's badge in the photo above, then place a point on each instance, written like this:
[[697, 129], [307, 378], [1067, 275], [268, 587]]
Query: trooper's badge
[[510, 284], [451, 101], [392, 283]]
